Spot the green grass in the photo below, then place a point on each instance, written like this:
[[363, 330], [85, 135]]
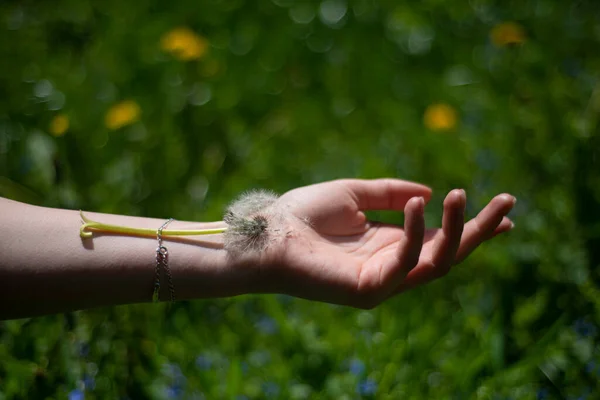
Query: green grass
[[292, 93]]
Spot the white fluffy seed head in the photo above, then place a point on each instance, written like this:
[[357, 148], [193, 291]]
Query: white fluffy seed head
[[254, 221], [252, 202]]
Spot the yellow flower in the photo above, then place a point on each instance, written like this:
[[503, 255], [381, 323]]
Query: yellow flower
[[440, 117], [121, 114], [59, 125], [184, 44], [507, 33]]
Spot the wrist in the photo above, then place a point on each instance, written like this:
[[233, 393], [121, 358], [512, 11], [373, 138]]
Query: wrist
[[198, 266], [202, 268]]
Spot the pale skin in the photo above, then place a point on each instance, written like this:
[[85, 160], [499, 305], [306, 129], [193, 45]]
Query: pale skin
[[330, 252]]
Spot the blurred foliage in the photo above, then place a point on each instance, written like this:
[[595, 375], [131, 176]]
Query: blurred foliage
[[172, 108]]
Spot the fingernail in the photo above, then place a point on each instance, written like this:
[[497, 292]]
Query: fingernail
[[508, 197], [464, 195], [512, 225], [420, 203]]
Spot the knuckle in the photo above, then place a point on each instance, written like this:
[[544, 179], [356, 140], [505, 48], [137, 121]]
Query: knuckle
[[349, 209]]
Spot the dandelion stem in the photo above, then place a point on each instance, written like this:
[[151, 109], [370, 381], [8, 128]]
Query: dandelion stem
[[89, 226]]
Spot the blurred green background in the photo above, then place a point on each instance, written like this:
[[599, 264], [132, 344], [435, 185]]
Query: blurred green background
[[171, 109]]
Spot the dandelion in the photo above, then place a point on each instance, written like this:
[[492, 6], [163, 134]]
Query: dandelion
[[122, 114], [253, 222], [440, 117], [184, 44], [507, 33], [249, 219], [59, 125]]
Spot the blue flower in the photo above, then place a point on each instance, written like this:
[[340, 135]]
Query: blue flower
[[590, 367], [173, 371], [88, 382], [368, 387], [84, 349], [542, 394], [174, 392], [270, 389], [259, 358], [356, 367], [203, 362], [266, 325], [584, 328], [176, 378], [76, 394]]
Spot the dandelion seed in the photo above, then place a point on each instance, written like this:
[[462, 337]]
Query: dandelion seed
[[251, 219], [252, 202]]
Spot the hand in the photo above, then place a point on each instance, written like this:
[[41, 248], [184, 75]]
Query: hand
[[332, 253]]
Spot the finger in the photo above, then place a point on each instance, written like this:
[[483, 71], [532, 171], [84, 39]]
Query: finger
[[409, 248], [445, 245], [448, 240], [504, 226], [488, 223], [385, 194]]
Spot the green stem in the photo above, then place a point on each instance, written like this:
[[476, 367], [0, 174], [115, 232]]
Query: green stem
[[89, 226]]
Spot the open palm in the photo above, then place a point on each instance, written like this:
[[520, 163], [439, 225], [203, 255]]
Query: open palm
[[334, 253]]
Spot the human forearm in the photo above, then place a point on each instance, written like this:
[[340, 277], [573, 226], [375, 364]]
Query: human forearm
[[46, 267], [313, 242]]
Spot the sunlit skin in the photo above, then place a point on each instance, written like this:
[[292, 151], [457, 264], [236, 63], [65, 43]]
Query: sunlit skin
[[341, 257], [327, 250]]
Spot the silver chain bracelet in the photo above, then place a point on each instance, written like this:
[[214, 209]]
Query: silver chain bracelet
[[162, 259]]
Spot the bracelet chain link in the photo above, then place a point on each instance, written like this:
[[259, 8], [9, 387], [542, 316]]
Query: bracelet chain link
[[162, 260]]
